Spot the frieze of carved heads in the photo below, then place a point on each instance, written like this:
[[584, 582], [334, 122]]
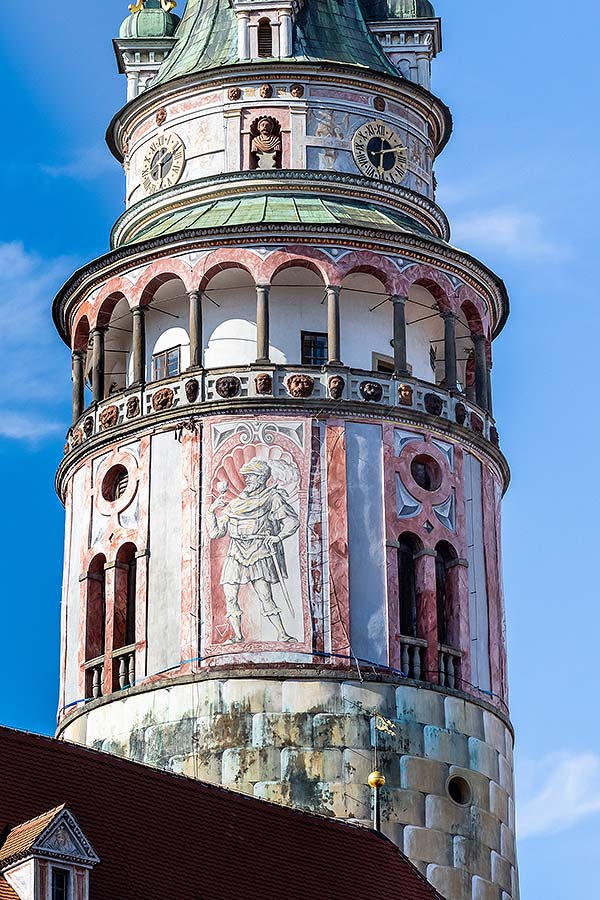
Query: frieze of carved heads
[[379, 103], [265, 91], [476, 424], [263, 383], [234, 93], [133, 407], [192, 390], [66, 449], [77, 437], [336, 387], [300, 385], [161, 116], [433, 404], [494, 436], [88, 426], [460, 413], [162, 399], [371, 391], [405, 395], [109, 417], [297, 90], [228, 386]]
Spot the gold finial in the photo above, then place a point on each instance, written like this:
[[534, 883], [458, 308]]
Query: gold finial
[[376, 780], [166, 5]]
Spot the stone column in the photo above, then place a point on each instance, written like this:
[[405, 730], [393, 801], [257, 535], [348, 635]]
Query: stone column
[[243, 20], [285, 33], [450, 372], [481, 373], [139, 345], [400, 361], [78, 383], [195, 330], [427, 611], [490, 406], [98, 364], [423, 70], [262, 324], [333, 326]]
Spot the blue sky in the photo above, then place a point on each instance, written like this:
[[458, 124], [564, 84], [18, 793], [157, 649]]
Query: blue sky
[[519, 182]]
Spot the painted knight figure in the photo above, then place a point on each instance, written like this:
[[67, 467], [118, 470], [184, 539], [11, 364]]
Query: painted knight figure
[[283, 477]]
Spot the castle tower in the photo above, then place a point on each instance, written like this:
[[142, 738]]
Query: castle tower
[[283, 482]]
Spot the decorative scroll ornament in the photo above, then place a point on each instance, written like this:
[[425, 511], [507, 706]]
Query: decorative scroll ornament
[[166, 6], [385, 725]]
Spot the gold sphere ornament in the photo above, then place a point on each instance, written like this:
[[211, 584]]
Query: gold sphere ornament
[[376, 780]]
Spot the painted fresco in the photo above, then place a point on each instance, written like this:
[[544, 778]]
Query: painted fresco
[[255, 512]]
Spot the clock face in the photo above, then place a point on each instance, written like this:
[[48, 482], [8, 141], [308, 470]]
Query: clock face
[[163, 163], [379, 152]]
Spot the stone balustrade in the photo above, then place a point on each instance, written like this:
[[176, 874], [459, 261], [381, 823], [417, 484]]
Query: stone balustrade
[[331, 388], [449, 666], [412, 652], [94, 669], [124, 659]]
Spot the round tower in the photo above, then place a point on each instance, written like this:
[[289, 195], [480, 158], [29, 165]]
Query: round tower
[[283, 481]]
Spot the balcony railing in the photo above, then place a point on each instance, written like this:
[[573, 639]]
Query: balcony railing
[[341, 387], [449, 666], [124, 662], [94, 675], [412, 656]]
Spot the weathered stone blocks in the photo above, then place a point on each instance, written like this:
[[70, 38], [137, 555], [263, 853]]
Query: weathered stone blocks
[[426, 707], [282, 730], [498, 802], [427, 845], [251, 695], [318, 765], [341, 730], [248, 765], [472, 856], [405, 807], [463, 717], [453, 884], [311, 696], [501, 872], [426, 775], [485, 890], [446, 746], [483, 758]]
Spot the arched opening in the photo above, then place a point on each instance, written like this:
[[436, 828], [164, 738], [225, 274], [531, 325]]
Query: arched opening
[[265, 38], [95, 627], [468, 323], [366, 323], [425, 349], [125, 616], [167, 329], [299, 316], [229, 309], [447, 609], [117, 349], [410, 580]]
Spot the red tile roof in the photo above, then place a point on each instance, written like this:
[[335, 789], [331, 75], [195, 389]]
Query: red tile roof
[[166, 837], [21, 838], [6, 892]]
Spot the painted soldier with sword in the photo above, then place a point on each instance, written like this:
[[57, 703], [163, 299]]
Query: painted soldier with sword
[[257, 522]]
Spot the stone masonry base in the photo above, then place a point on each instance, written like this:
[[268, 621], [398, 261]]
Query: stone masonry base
[[309, 743]]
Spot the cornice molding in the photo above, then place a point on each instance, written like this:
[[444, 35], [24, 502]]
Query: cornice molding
[[417, 249]]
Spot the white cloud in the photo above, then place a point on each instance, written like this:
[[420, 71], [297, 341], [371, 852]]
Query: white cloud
[[34, 376], [511, 231], [88, 164], [556, 792]]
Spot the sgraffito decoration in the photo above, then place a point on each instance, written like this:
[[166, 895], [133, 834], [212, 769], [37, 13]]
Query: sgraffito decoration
[[255, 513]]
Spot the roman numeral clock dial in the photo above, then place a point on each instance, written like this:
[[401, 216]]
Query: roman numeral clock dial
[[163, 163], [379, 152]]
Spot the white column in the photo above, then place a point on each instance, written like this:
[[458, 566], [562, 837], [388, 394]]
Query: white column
[[233, 140], [132, 85], [423, 70], [285, 33], [243, 20], [253, 31]]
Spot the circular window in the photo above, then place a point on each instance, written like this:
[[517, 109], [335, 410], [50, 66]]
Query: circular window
[[459, 790], [426, 472], [115, 483]]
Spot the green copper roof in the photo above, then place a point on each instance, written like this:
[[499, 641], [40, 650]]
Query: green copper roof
[[150, 22], [380, 10], [325, 30], [278, 210]]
